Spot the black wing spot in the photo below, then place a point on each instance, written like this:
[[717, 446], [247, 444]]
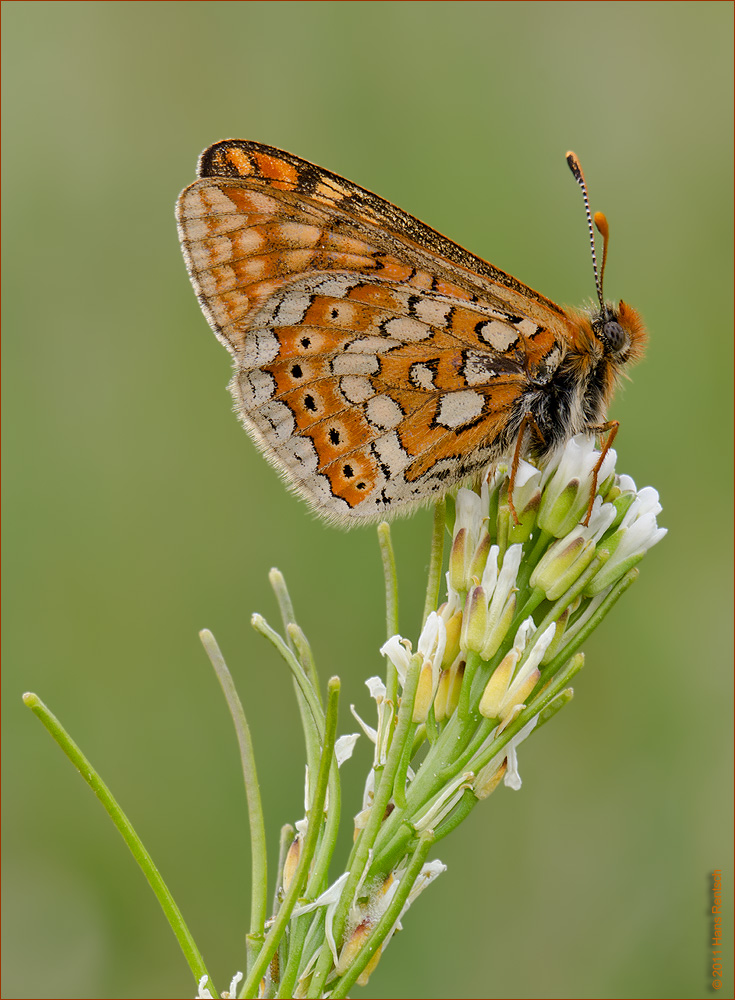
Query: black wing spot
[[334, 435], [347, 471], [296, 371], [310, 403], [306, 342]]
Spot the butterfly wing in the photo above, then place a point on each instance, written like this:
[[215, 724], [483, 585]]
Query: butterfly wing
[[377, 364]]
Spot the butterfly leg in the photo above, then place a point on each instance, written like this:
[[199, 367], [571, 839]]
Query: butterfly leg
[[528, 423], [610, 427]]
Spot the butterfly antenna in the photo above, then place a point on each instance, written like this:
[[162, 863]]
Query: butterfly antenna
[[600, 221]]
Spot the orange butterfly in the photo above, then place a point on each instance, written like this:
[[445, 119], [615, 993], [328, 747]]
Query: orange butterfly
[[377, 363]]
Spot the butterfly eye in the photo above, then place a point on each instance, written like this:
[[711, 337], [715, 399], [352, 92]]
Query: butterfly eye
[[614, 336]]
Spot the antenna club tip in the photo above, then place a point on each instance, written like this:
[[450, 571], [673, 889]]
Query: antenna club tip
[[602, 225], [575, 166]]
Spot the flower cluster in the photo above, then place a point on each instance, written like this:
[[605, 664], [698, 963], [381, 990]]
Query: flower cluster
[[552, 562], [526, 583]]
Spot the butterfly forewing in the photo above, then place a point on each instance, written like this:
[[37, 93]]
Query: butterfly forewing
[[377, 364]]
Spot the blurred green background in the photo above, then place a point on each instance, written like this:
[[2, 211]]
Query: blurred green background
[[137, 511]]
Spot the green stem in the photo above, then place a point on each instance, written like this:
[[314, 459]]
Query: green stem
[[461, 811], [573, 645], [296, 938], [436, 561], [258, 852], [300, 644], [399, 784], [305, 688], [172, 912], [299, 647], [390, 577], [280, 923], [285, 604]]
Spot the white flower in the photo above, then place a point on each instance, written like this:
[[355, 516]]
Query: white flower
[[203, 993], [432, 643], [512, 778], [385, 714], [430, 871], [568, 484], [637, 533], [443, 804], [490, 573], [469, 530], [398, 651], [502, 603], [344, 746], [329, 899]]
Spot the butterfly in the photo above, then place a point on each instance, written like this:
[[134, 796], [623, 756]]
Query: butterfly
[[377, 364]]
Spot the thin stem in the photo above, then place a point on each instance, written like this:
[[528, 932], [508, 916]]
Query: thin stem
[[317, 712], [436, 561], [299, 647], [460, 812], [258, 851], [285, 604], [399, 784], [300, 644], [280, 923], [390, 578], [171, 911], [573, 645]]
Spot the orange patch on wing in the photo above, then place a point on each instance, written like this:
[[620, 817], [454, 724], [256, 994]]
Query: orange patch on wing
[[418, 433], [422, 279], [316, 406], [277, 170], [394, 270], [240, 160], [380, 296], [352, 477], [299, 374], [254, 206], [453, 291]]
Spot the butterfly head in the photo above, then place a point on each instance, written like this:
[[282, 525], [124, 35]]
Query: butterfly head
[[620, 331]]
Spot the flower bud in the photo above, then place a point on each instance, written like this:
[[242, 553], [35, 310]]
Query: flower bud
[[293, 857], [474, 620], [488, 779], [451, 650]]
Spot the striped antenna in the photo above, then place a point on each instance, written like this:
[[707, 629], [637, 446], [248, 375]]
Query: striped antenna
[[576, 168]]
